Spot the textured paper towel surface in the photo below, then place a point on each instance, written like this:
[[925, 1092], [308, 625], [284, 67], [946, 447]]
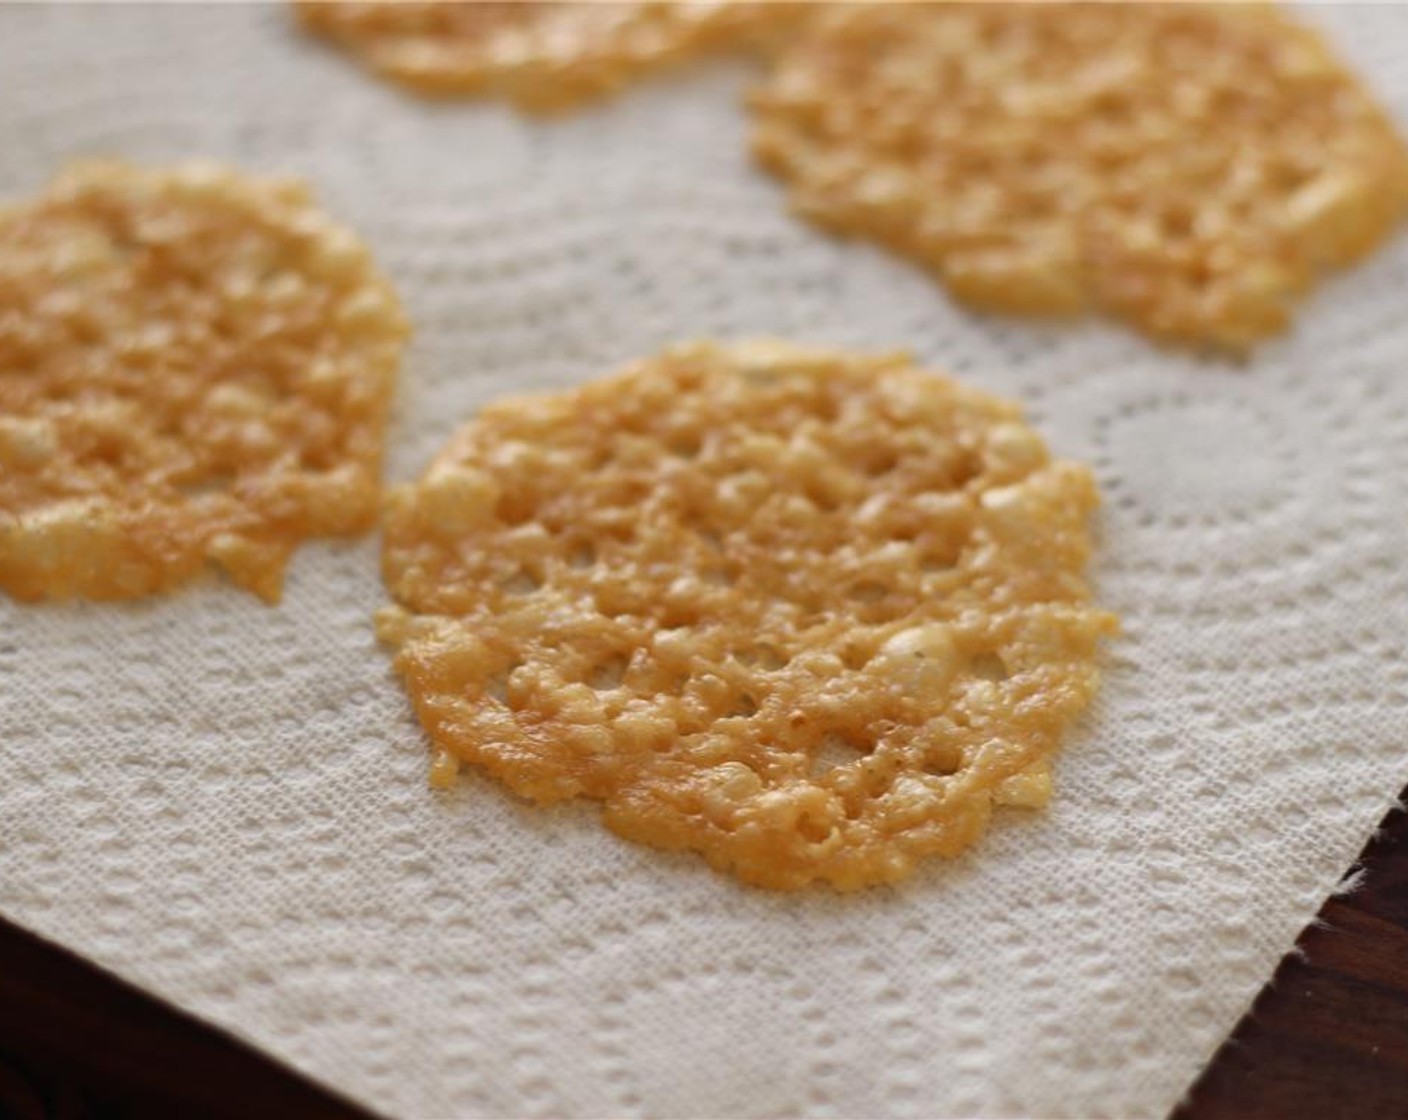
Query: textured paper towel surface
[[226, 803]]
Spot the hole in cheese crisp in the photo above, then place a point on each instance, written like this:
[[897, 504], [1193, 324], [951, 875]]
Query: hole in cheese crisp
[[1189, 167], [707, 715], [195, 367], [543, 56], [988, 667], [833, 751]]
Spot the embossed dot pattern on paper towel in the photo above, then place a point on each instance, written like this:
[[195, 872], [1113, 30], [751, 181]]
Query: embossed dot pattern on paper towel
[[227, 804]]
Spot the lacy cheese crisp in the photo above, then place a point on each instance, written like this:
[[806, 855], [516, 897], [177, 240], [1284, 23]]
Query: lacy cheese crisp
[[809, 614], [195, 368], [543, 56], [1189, 167]]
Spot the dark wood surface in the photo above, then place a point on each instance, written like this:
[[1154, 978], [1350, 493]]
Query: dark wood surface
[[1327, 1038], [77, 1043]]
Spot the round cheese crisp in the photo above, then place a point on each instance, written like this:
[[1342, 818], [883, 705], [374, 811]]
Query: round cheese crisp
[[1186, 166], [541, 55], [810, 614], [194, 367]]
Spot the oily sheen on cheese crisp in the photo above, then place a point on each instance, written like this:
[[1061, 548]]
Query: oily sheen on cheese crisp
[[1188, 167], [810, 614], [195, 367], [542, 56]]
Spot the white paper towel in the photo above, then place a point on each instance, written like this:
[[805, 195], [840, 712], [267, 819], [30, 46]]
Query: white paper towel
[[226, 803]]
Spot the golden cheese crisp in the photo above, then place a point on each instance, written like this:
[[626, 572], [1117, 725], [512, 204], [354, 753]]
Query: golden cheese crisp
[[810, 614], [1189, 167], [541, 55], [195, 367]]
